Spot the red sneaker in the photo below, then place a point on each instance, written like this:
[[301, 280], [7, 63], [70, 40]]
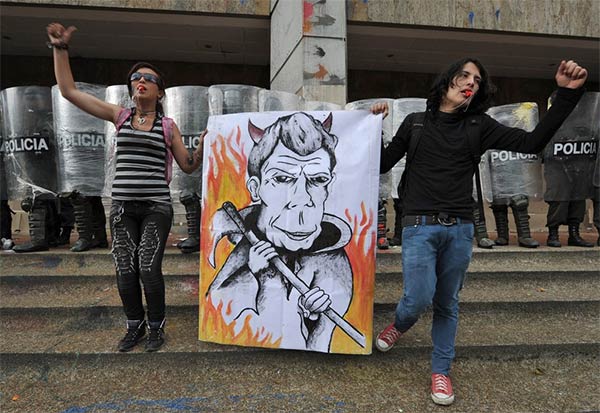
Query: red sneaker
[[441, 389], [387, 338]]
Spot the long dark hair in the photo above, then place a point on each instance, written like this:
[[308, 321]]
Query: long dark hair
[[161, 81], [480, 102]]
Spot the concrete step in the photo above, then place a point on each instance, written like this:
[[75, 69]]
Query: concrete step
[[528, 340], [512, 259], [510, 329], [99, 261], [291, 381], [48, 291]]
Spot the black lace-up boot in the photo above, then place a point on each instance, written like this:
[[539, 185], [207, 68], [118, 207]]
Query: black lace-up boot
[[501, 218], [52, 222], [481, 235], [575, 239], [192, 216], [553, 238], [83, 221], [136, 330], [65, 235], [98, 222], [519, 205], [37, 228], [156, 336]]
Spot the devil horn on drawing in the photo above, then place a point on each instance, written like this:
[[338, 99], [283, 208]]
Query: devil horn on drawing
[[256, 133]]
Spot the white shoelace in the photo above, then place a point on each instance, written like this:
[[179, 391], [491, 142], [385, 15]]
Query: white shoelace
[[392, 335], [441, 383]]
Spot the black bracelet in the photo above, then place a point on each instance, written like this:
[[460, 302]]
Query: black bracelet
[[61, 45]]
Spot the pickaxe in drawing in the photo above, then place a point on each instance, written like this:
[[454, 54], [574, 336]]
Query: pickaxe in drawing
[[294, 280]]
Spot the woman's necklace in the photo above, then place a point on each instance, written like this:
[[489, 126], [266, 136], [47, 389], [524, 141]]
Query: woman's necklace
[[142, 117]]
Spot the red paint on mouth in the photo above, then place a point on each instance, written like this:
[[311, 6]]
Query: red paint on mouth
[[468, 93]]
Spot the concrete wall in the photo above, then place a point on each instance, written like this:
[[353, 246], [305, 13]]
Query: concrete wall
[[248, 7], [27, 70], [556, 17]]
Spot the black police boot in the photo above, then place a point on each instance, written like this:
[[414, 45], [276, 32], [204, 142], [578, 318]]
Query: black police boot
[[52, 222], [192, 216], [481, 235], [396, 240], [553, 238], [501, 218], [83, 222], [156, 336], [65, 236], [575, 239], [382, 241], [136, 330], [37, 228], [519, 205], [98, 222]]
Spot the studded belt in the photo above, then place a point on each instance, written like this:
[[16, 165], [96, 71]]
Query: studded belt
[[445, 220]]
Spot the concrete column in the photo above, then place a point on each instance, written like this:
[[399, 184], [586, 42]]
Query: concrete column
[[308, 49]]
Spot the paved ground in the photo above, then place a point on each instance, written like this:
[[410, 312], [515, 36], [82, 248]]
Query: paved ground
[[287, 381]]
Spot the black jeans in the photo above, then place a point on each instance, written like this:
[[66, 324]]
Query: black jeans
[[139, 234]]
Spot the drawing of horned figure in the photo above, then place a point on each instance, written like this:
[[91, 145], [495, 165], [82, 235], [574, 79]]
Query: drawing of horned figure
[[290, 171]]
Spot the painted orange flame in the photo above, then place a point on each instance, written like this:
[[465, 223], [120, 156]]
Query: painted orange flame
[[227, 174], [218, 331], [361, 253]]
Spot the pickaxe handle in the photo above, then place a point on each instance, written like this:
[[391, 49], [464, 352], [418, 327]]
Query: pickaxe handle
[[296, 282]]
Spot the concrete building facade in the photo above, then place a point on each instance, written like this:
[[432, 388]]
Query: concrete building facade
[[329, 50], [332, 50]]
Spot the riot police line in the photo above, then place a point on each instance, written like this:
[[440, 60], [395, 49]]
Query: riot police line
[[53, 160]]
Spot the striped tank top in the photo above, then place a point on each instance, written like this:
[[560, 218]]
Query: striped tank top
[[140, 164]]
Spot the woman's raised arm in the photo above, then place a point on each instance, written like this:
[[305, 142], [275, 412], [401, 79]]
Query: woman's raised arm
[[59, 40]]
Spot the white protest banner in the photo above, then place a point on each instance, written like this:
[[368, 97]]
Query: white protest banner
[[288, 231]]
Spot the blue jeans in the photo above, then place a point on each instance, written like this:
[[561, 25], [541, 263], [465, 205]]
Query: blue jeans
[[435, 259]]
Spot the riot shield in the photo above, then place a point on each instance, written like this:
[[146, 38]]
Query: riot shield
[[275, 100], [513, 173], [225, 99], [81, 142], [399, 111], [188, 107], [31, 151], [570, 157], [317, 105]]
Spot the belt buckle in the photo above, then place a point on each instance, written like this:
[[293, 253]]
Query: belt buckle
[[446, 220]]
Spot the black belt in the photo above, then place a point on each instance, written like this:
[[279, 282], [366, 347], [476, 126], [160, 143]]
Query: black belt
[[445, 220]]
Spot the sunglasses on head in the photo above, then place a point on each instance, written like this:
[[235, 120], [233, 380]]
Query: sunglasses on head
[[148, 77]]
